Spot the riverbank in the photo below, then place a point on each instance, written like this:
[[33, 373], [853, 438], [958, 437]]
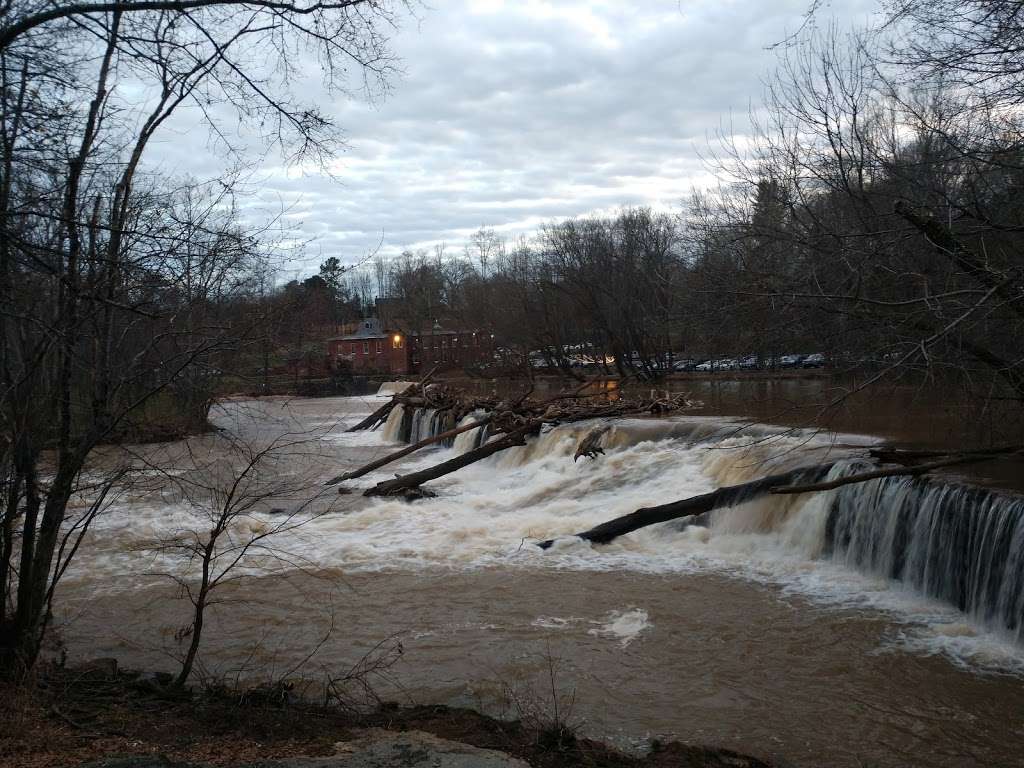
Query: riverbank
[[97, 713], [739, 635]]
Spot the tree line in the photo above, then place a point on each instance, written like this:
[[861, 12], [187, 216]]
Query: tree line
[[873, 213]]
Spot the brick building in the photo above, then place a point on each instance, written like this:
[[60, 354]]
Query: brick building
[[449, 349], [374, 348]]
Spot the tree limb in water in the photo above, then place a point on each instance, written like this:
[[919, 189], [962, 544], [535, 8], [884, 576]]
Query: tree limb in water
[[482, 421], [381, 413], [961, 459], [803, 480], [695, 505], [403, 483], [590, 446], [906, 456]]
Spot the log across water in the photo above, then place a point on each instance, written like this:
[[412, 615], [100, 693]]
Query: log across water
[[697, 506], [403, 483]]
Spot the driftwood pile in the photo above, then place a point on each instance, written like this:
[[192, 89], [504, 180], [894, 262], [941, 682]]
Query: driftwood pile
[[510, 422]]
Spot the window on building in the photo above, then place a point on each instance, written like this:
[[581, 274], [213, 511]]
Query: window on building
[[366, 347], [354, 348], [396, 341], [380, 346]]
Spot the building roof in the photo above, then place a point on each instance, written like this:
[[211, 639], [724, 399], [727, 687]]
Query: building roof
[[369, 328]]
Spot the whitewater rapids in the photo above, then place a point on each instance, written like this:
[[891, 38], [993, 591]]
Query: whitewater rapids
[[781, 609]]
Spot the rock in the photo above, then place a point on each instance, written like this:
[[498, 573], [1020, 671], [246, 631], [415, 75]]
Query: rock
[[413, 494], [378, 748], [103, 669], [154, 682]]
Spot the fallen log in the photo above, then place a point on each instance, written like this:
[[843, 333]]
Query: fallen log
[[802, 480], [914, 458], [381, 414], [384, 461], [960, 459], [728, 496], [402, 483]]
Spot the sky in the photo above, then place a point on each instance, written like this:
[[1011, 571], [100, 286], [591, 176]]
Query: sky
[[511, 114]]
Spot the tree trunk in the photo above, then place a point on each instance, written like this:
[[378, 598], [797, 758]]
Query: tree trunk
[[406, 451], [381, 413], [697, 505], [415, 479]]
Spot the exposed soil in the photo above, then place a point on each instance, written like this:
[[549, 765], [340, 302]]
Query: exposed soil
[[69, 717]]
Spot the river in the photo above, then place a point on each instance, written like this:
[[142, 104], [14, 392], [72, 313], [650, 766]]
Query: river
[[779, 630]]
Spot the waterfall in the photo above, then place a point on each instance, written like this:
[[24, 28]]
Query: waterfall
[[472, 438], [410, 425], [962, 545], [393, 426], [958, 544], [422, 420]]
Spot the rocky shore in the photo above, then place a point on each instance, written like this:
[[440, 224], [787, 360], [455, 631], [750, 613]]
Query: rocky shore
[[102, 717]]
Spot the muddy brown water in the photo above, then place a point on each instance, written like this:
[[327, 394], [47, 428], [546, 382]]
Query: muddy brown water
[[650, 638], [725, 662], [926, 415]]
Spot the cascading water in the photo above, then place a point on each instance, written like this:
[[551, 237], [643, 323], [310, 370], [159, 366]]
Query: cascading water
[[471, 438], [420, 423], [410, 425], [392, 432], [958, 544], [780, 609]]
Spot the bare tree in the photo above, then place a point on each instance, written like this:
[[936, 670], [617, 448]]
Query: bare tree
[[239, 498], [116, 285]]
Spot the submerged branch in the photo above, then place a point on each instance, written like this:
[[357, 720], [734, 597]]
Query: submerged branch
[[802, 480]]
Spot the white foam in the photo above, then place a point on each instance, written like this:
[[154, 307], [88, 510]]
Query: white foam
[[389, 388], [556, 622], [624, 626], [490, 513]]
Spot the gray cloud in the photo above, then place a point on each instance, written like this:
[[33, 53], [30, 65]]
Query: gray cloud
[[512, 113]]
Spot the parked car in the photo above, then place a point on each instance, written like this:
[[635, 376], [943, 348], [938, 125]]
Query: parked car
[[816, 360], [685, 365], [749, 363], [790, 361], [707, 365]]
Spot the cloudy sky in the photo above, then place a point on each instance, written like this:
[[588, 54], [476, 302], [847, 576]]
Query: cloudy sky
[[513, 113]]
